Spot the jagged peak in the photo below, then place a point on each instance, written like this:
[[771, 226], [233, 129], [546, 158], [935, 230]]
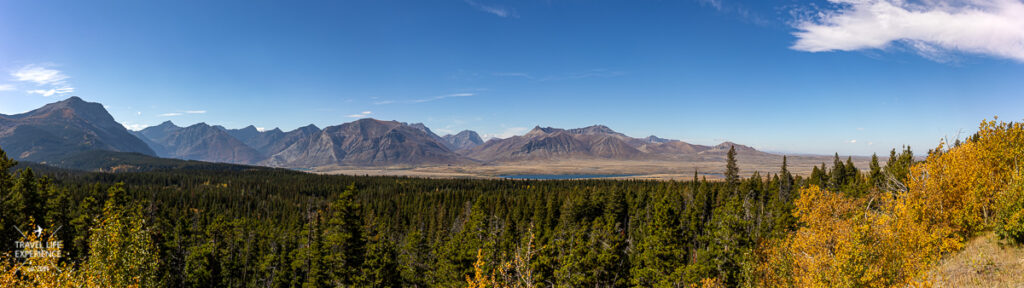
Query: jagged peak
[[537, 130], [593, 129], [200, 125]]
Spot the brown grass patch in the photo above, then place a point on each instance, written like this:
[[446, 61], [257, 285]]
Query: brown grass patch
[[982, 263]]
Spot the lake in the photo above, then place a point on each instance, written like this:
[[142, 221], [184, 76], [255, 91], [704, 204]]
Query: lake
[[562, 176]]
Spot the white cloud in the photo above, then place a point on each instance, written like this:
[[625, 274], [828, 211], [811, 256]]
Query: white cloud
[[138, 113], [195, 112], [360, 115], [51, 92], [499, 11], [7, 87], [172, 114], [853, 141], [39, 74], [50, 81], [934, 28], [134, 127], [509, 132], [261, 129]]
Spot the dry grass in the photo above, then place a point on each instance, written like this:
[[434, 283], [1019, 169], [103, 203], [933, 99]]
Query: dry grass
[[982, 263], [676, 169]]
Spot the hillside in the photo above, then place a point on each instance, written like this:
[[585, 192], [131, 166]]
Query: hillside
[[62, 128]]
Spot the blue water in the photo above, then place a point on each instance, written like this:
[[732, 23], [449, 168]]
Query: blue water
[[562, 176]]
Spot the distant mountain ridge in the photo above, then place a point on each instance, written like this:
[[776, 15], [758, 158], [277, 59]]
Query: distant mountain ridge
[[198, 142], [364, 142]]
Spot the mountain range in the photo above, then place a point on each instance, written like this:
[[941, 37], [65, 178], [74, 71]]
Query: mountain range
[[65, 128]]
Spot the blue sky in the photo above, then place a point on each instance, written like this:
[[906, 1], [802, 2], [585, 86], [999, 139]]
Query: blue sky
[[846, 76]]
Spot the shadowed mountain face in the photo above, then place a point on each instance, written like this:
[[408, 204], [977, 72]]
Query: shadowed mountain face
[[198, 142], [463, 141], [259, 140], [63, 128], [594, 142], [553, 143], [367, 142]]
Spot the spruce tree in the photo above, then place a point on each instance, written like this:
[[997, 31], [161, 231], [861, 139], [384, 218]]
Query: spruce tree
[[875, 176], [732, 171], [380, 266], [343, 242]]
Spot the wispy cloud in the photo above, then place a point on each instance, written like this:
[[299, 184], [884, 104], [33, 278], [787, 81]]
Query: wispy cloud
[[134, 126], [508, 132], [493, 9], [934, 29], [172, 114], [7, 87], [39, 74], [443, 97], [363, 114], [423, 100], [51, 92], [593, 73], [854, 141], [737, 9], [49, 81], [717, 4]]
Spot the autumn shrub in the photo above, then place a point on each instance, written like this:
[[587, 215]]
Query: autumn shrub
[[1010, 220], [892, 238]]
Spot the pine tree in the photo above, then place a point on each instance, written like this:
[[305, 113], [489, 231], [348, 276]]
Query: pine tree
[[8, 208], [838, 177], [732, 171], [414, 260], [343, 242], [875, 176], [380, 268], [661, 255]]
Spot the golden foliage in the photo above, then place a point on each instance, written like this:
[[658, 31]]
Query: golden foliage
[[892, 238], [480, 278]]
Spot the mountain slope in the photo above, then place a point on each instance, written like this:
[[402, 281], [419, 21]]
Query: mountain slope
[[550, 143], [466, 139], [63, 128], [366, 142], [199, 142]]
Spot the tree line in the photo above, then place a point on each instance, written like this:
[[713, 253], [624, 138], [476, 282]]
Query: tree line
[[278, 228]]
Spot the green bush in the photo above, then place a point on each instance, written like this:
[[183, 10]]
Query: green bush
[[1010, 214]]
